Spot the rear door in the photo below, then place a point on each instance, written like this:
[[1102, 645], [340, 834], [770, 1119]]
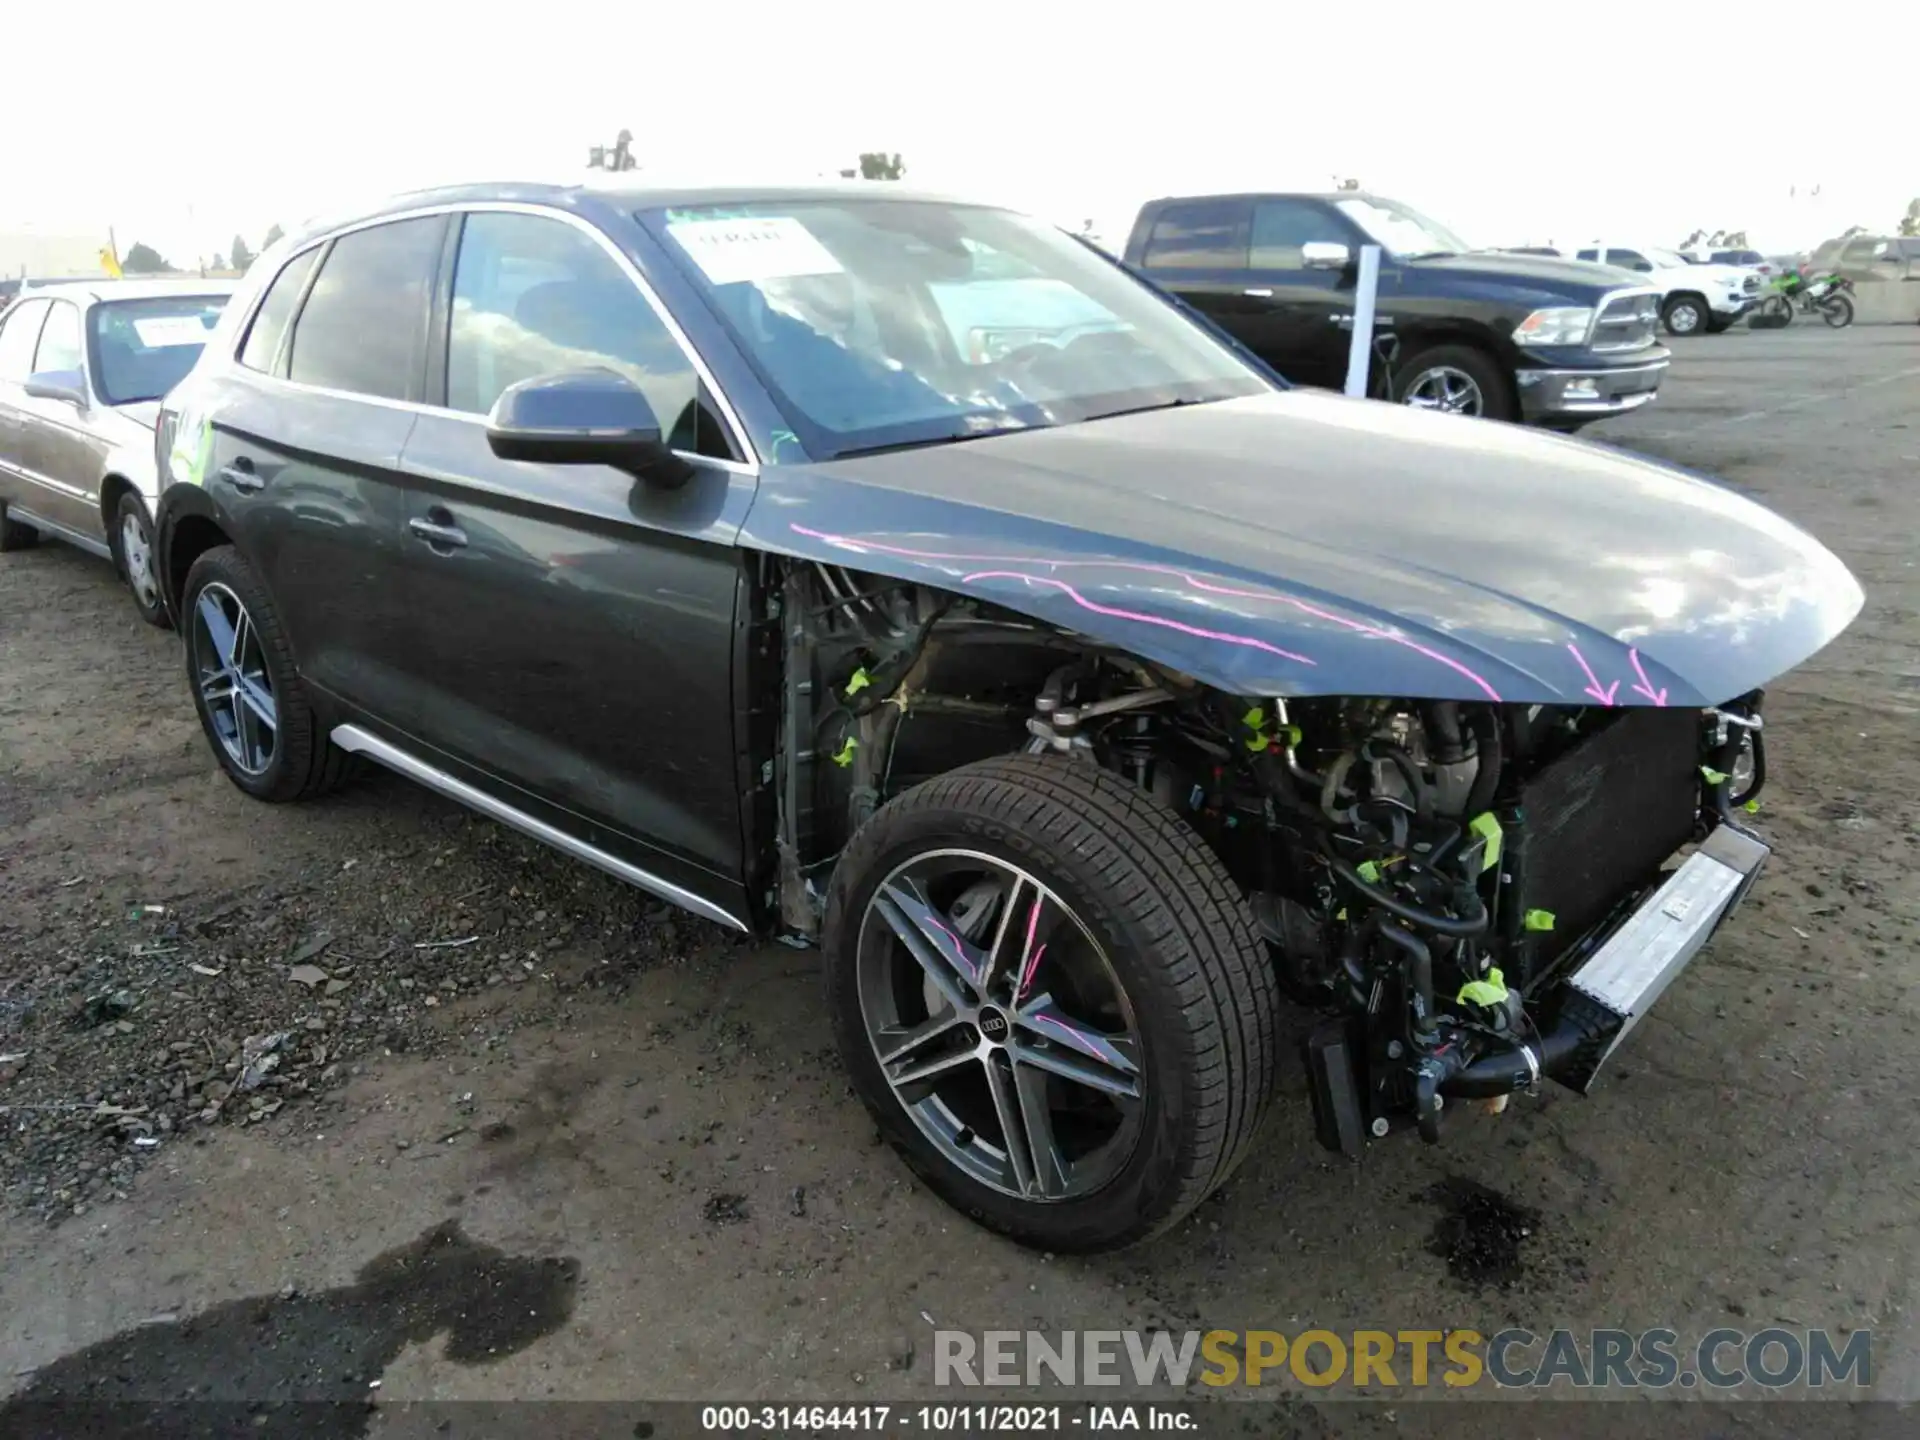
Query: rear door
[[54, 441], [19, 336], [573, 628], [1300, 320], [307, 433], [1197, 249]]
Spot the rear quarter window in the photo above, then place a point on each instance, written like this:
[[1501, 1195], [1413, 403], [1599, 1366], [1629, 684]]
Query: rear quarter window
[[270, 321]]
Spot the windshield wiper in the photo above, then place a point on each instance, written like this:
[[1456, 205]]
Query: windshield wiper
[[948, 438], [1147, 409]]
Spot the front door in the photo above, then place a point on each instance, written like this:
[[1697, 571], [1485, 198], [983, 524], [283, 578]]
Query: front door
[[1304, 314], [575, 629]]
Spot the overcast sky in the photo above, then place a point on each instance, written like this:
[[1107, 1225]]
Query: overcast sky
[[184, 123]]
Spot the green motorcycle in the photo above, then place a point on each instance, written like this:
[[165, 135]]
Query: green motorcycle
[[1830, 296]]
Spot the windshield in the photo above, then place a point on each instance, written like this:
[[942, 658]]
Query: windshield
[[885, 323], [1402, 231], [143, 348]]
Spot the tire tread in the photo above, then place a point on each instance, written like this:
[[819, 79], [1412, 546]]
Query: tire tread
[[1175, 889]]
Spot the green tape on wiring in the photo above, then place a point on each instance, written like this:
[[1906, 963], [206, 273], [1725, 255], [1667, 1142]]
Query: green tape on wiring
[[1752, 807], [843, 757], [1713, 776], [1538, 920], [1489, 991], [860, 681], [1369, 871], [1488, 829]]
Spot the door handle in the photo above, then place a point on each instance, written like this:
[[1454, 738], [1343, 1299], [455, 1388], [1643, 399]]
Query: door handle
[[1262, 292], [242, 476], [436, 535]]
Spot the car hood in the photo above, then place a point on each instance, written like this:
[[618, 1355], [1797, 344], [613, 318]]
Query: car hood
[[1734, 275], [144, 413], [1307, 544], [1545, 272]]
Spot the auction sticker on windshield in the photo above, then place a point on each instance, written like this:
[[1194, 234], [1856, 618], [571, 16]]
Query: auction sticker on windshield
[[157, 332], [753, 248]]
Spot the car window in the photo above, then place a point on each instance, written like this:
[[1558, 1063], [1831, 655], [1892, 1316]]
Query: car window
[[1400, 229], [18, 336], [141, 349], [270, 320], [1005, 303], [535, 296], [1863, 250], [1628, 259], [1282, 227], [59, 339], [859, 317], [1199, 235], [363, 328]]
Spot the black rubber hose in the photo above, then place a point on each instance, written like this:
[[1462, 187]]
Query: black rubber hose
[[1506, 1070], [1474, 924], [1426, 1028], [1483, 723], [1443, 732]]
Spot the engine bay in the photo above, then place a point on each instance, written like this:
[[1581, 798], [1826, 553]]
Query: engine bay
[[1424, 873]]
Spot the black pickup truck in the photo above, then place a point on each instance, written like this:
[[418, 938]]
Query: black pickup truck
[[1557, 343]]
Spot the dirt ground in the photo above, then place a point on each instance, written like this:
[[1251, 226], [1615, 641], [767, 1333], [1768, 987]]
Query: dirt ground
[[300, 1099]]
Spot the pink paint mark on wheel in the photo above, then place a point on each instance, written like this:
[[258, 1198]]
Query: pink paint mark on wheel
[[959, 950], [1645, 687], [1027, 973], [1605, 697], [1207, 587], [1223, 636]]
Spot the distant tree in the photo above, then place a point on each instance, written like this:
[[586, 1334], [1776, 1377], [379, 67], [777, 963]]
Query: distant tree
[[1853, 230], [242, 257], [274, 232], [1735, 240], [878, 165], [1345, 182], [1698, 237], [1910, 222], [219, 261], [143, 259]]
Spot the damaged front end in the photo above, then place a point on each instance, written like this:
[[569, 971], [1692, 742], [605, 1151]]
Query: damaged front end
[[1473, 895], [1476, 945]]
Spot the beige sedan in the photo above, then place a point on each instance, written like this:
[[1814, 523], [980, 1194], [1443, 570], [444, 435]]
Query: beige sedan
[[83, 368]]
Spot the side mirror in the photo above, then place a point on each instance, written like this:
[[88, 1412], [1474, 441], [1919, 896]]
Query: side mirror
[[1323, 255], [584, 417], [67, 385]]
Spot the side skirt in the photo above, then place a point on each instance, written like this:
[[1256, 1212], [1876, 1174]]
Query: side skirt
[[356, 741]]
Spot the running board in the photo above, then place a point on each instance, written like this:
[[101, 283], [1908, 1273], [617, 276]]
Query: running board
[[356, 741]]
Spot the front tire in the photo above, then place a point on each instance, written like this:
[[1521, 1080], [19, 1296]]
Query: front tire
[[131, 539], [1457, 380], [250, 699], [1685, 315], [1837, 311], [1052, 999]]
